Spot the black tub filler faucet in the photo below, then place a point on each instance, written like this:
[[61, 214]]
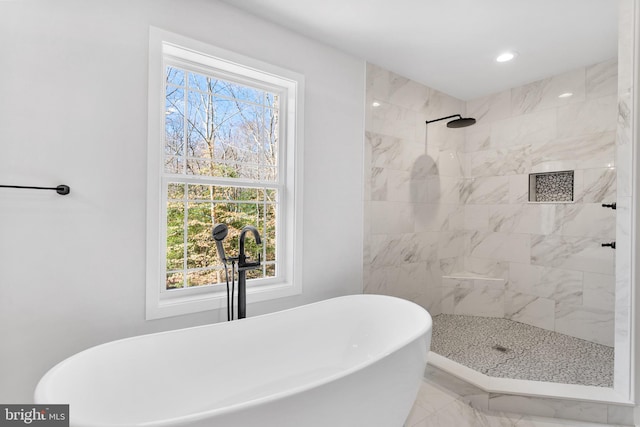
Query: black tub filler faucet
[[219, 233]]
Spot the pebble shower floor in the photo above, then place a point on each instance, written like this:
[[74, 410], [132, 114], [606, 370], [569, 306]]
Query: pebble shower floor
[[507, 349]]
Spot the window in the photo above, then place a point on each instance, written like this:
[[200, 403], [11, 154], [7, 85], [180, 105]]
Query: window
[[224, 147], [220, 166]]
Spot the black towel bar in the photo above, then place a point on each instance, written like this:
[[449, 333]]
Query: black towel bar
[[60, 189]]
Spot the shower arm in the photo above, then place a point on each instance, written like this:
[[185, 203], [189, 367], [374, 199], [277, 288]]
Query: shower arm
[[444, 118]]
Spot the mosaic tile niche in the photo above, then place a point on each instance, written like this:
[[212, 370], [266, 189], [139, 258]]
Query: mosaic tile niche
[[551, 187]]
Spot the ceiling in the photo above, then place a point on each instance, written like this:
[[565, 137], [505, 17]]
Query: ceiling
[[451, 45]]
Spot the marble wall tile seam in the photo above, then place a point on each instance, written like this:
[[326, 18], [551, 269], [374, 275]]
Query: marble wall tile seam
[[544, 281], [395, 121], [570, 121], [423, 112], [405, 248], [513, 160], [535, 102], [599, 185], [543, 94], [550, 247], [393, 152], [572, 147], [595, 324], [588, 117], [491, 107], [477, 238], [477, 137], [582, 152], [584, 83], [485, 190], [386, 86], [566, 307], [602, 78], [525, 218], [586, 220], [517, 299], [530, 309], [531, 128], [624, 149]]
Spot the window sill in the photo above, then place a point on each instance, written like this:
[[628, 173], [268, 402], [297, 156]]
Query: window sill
[[169, 305]]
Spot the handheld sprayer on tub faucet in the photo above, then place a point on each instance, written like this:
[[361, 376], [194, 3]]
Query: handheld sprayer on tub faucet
[[219, 233]]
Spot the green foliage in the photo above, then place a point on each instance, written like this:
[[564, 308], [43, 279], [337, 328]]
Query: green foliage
[[236, 207]]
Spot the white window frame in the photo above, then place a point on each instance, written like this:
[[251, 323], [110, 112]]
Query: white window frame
[[166, 47]]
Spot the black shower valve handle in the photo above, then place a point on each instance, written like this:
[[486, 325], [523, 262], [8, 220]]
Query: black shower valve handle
[[612, 245], [609, 205]]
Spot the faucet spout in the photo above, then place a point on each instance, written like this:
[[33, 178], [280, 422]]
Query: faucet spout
[[242, 258], [243, 266]]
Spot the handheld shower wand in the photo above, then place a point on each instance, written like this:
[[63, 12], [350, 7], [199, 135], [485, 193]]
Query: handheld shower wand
[[219, 232]]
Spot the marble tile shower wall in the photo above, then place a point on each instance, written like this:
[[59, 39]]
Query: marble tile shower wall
[[558, 275], [413, 215], [456, 200], [624, 185]]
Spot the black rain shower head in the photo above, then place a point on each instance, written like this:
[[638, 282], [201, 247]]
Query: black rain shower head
[[460, 122]]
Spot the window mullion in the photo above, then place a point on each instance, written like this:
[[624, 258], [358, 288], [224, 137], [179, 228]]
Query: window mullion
[[185, 124], [185, 142], [264, 231], [185, 235]]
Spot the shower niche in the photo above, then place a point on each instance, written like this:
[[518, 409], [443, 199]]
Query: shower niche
[[551, 187]]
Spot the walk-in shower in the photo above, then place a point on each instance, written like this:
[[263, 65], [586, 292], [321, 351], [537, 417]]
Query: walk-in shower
[[498, 228], [481, 323]]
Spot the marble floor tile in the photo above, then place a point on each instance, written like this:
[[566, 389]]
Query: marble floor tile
[[438, 407]]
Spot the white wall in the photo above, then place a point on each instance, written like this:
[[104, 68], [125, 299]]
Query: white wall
[[73, 110]]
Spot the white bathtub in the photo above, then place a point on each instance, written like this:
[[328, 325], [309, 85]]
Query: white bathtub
[[350, 361]]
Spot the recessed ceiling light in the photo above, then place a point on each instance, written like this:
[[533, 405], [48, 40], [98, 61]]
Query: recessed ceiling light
[[506, 56], [565, 95], [375, 104]]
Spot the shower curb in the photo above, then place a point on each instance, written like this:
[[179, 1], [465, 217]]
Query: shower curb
[[489, 394]]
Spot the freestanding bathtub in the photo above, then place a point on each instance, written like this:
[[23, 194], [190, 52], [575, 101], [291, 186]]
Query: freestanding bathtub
[[345, 362]]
